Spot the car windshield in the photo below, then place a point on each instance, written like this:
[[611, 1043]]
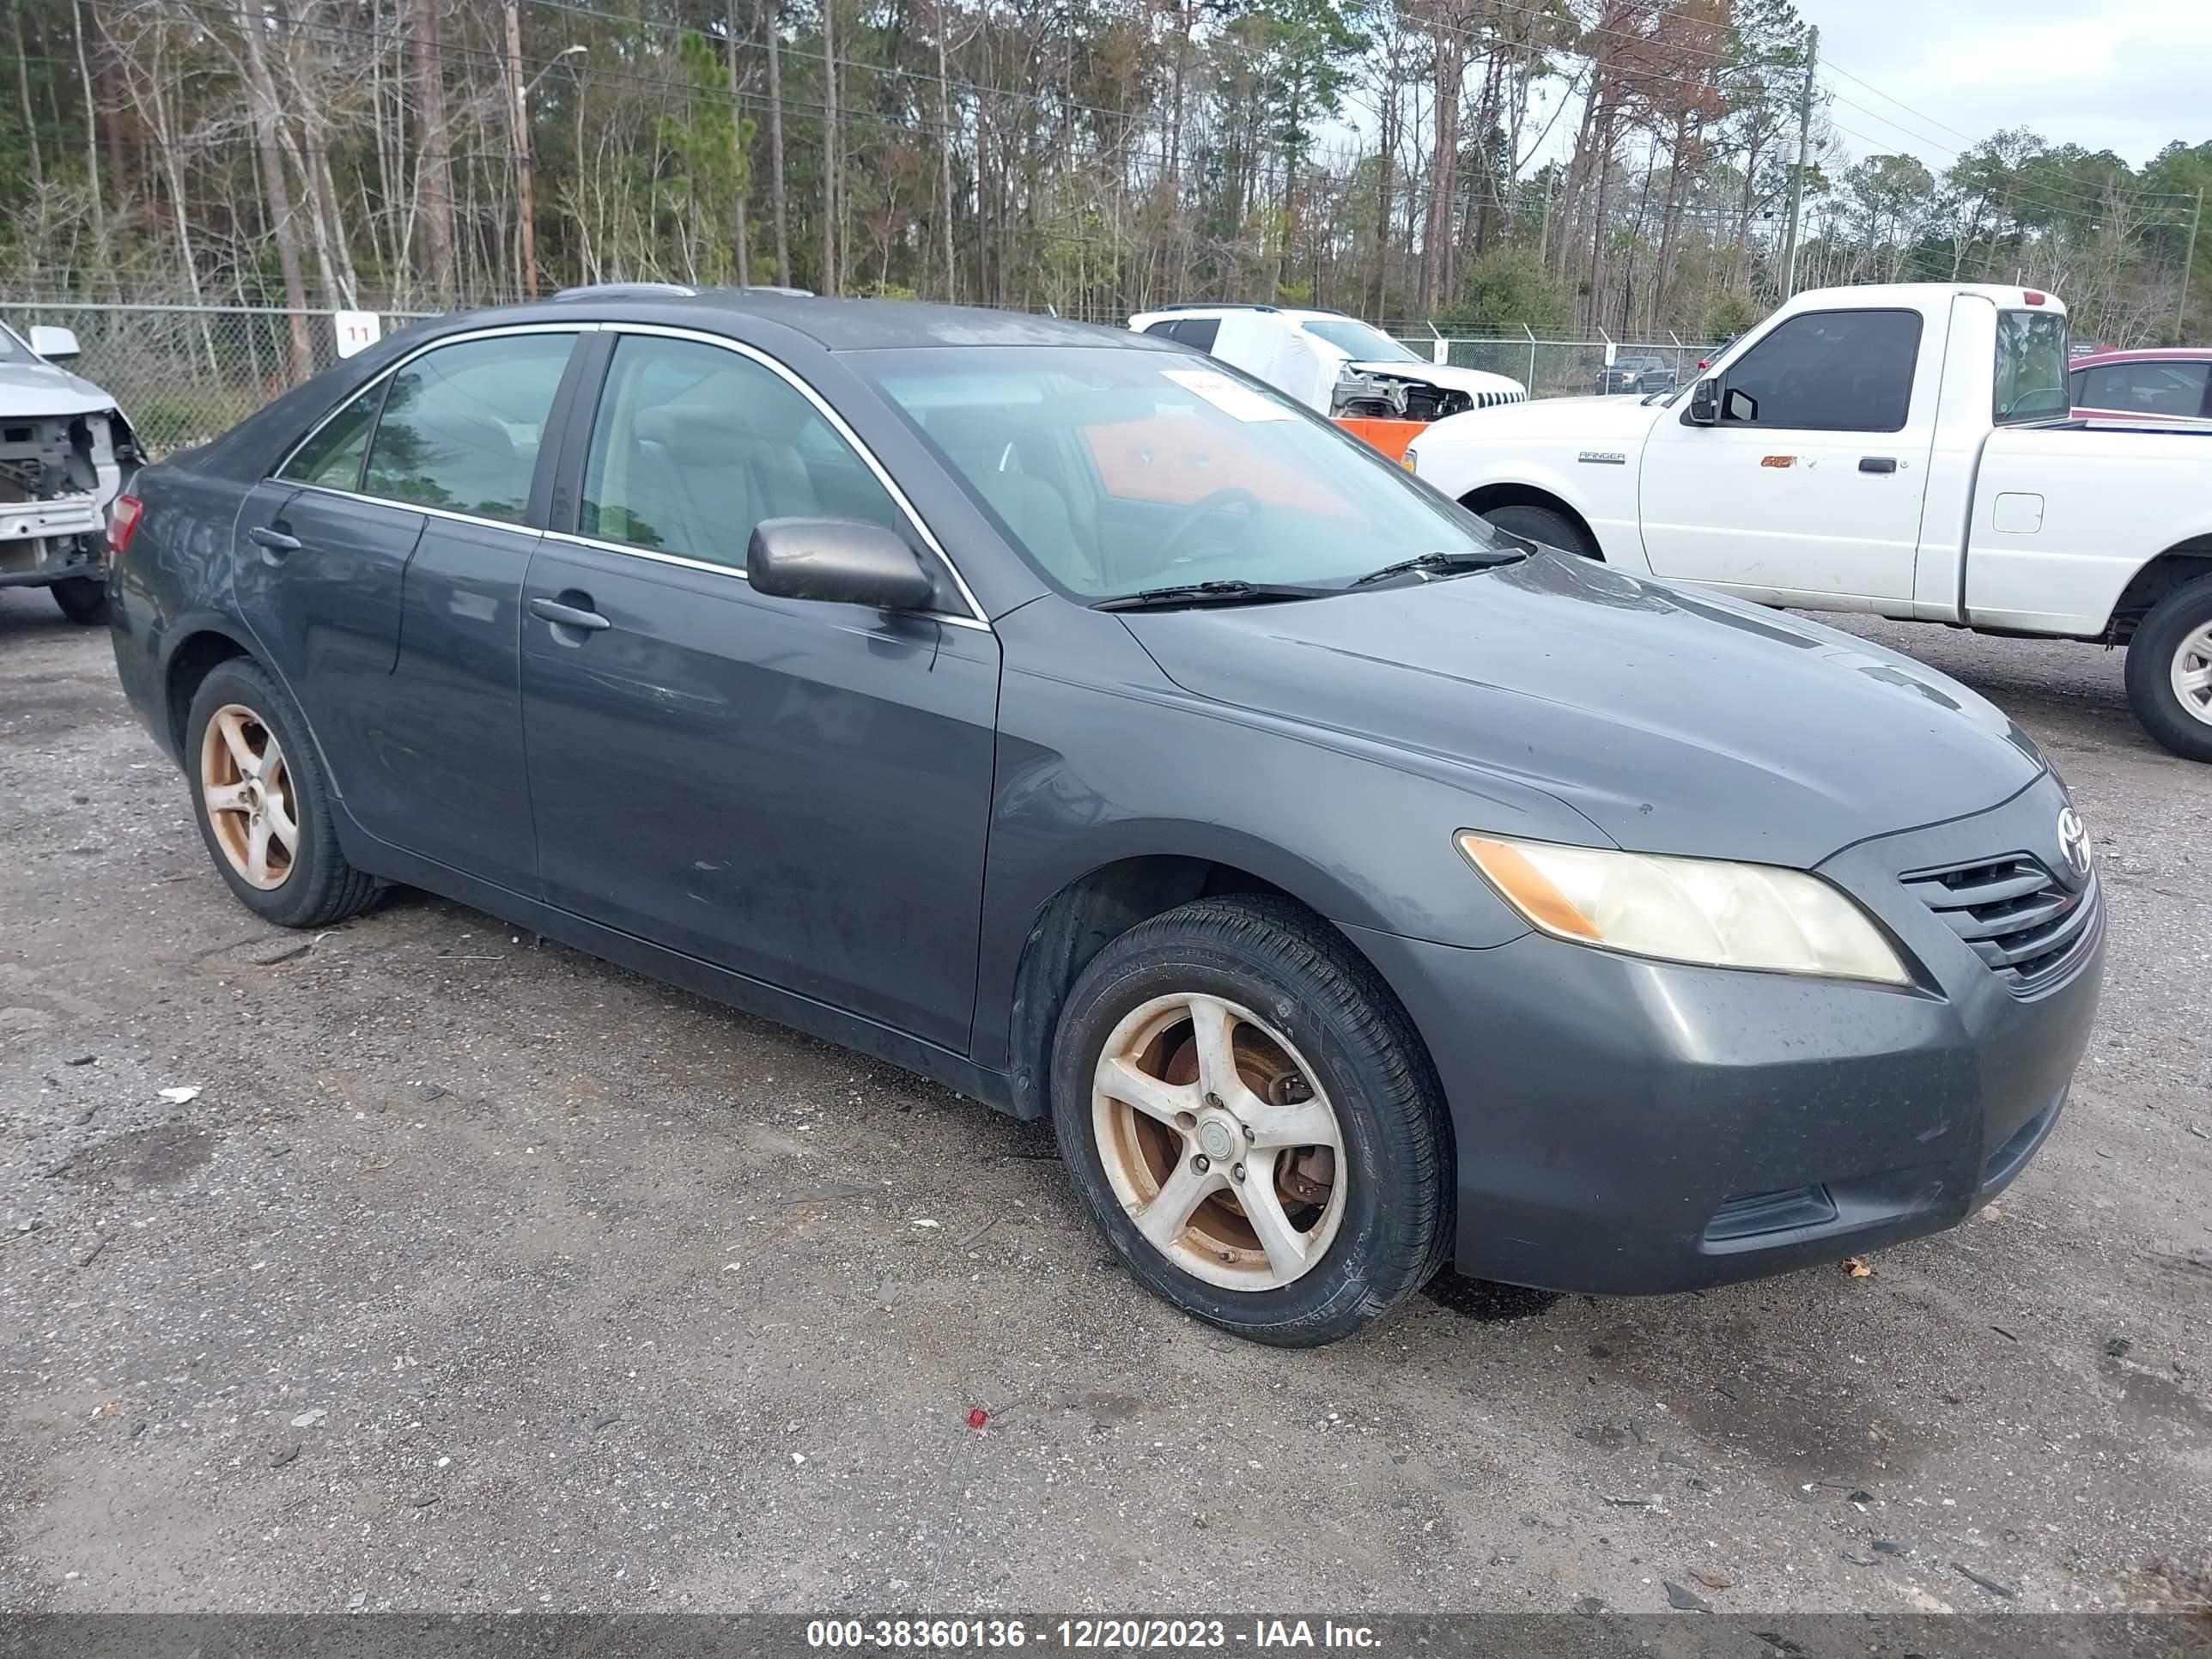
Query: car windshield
[[1366, 343], [1118, 469]]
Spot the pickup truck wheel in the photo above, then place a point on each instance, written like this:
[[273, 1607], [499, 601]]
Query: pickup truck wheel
[[1541, 524], [262, 803], [82, 599], [2169, 671], [1248, 1116]]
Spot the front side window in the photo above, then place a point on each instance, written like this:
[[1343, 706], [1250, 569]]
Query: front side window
[[2145, 388], [2030, 374], [1827, 371], [1119, 469], [462, 425], [332, 456], [693, 445]]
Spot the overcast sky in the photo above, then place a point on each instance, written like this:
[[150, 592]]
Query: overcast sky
[[2127, 75]]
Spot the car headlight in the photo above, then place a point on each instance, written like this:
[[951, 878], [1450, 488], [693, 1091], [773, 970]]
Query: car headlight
[[1700, 910]]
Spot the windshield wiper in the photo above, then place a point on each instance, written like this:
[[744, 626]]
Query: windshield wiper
[[1216, 592], [1471, 559]]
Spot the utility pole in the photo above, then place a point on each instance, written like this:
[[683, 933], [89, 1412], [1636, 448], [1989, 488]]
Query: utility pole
[[1804, 161], [2181, 311], [525, 183]]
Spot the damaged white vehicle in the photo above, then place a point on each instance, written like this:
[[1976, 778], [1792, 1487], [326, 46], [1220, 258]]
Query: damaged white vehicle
[[65, 451], [1332, 363]]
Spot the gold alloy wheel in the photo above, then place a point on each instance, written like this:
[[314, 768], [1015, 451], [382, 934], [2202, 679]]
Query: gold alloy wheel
[[247, 792], [1219, 1142]]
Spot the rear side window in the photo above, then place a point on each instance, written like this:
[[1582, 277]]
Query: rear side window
[[462, 425], [693, 446], [1827, 371], [1198, 333], [2168, 389], [332, 456], [2031, 372]]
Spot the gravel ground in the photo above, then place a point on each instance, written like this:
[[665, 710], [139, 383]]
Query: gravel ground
[[478, 1275]]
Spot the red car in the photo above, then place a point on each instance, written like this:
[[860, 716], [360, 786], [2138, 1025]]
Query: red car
[[2164, 385]]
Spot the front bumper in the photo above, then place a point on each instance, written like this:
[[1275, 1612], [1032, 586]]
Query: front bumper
[[1629, 1128]]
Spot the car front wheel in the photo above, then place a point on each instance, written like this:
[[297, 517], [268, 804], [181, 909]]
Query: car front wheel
[[81, 598], [2169, 671], [1250, 1117]]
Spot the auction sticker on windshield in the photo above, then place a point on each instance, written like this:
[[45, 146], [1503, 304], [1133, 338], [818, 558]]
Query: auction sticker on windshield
[[1227, 395]]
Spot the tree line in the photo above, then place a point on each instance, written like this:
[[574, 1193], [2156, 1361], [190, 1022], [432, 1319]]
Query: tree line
[[1565, 167]]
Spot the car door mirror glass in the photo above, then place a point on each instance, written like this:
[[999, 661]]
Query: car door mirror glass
[[1705, 403], [843, 561], [1741, 405]]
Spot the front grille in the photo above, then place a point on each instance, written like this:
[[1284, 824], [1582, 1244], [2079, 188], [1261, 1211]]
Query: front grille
[[2028, 925]]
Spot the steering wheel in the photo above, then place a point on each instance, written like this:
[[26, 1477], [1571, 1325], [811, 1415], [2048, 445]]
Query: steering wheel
[[1206, 507]]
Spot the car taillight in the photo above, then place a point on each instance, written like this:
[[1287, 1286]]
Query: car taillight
[[122, 523]]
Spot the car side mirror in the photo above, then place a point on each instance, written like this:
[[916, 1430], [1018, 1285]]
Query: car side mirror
[[1704, 404], [54, 344], [842, 560]]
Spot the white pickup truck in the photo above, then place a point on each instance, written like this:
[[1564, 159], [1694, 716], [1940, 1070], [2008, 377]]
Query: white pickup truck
[[1905, 450]]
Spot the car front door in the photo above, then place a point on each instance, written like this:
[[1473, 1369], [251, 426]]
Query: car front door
[[1810, 483], [383, 568], [796, 791]]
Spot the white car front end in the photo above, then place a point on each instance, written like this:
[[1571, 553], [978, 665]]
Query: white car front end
[[65, 451]]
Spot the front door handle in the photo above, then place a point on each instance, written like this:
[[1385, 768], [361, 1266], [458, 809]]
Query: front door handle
[[274, 540], [569, 616], [1877, 463]]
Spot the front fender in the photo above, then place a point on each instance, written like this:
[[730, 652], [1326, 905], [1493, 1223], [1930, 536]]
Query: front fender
[[1593, 475], [1094, 768]]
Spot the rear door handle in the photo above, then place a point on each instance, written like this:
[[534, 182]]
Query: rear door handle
[[569, 616], [1877, 463], [274, 540]]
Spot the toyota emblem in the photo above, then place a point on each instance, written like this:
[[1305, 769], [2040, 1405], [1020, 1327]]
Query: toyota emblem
[[2074, 844]]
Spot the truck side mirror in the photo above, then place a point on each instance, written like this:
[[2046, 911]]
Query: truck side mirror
[[1704, 404], [54, 344]]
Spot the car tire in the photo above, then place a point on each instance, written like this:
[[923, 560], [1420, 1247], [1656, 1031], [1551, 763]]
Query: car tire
[[255, 772], [81, 598], [1316, 1044], [1541, 524], [2171, 647]]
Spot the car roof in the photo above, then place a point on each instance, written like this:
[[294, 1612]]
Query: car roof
[[836, 324], [2145, 355]]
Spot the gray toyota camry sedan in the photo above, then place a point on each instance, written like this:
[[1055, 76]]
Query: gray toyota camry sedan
[[1361, 892]]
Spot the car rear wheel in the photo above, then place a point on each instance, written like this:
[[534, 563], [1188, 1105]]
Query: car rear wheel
[[2169, 671], [263, 806], [1541, 524], [1250, 1118], [81, 598]]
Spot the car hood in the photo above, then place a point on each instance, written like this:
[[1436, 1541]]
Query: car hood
[[1444, 374], [1674, 721], [1592, 417], [32, 388]]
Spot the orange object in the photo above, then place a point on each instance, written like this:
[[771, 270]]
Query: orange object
[[1391, 437]]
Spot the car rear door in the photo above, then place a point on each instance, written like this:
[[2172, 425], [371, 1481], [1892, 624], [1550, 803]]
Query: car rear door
[[1811, 483], [798, 792], [383, 570]]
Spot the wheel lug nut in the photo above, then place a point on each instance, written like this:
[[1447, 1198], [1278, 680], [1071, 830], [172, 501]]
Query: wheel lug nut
[[1201, 1164], [1238, 1172], [1214, 1100]]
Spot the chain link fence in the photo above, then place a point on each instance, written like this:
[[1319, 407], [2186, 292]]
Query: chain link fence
[[1576, 369], [184, 374]]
